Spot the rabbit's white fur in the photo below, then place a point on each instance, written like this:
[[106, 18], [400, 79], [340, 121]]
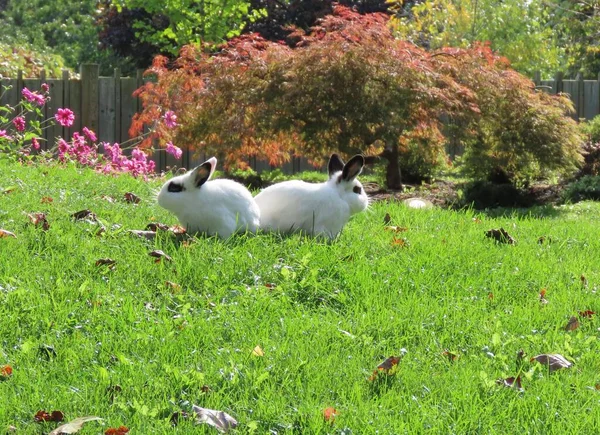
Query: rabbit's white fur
[[218, 207], [315, 209]]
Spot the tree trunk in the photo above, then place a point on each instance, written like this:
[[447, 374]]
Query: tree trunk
[[393, 176]]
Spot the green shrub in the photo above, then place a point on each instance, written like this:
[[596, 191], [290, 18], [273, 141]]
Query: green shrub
[[586, 187]]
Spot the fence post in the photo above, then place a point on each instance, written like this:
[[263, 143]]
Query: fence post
[[89, 95], [66, 99], [19, 84], [580, 106], [557, 86], [117, 78], [46, 134], [537, 78]]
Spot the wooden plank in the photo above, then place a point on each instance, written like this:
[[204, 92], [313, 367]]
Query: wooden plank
[[592, 98], [128, 106], [557, 85], [67, 99], [8, 93], [106, 110], [74, 103], [117, 85], [56, 102], [89, 95]]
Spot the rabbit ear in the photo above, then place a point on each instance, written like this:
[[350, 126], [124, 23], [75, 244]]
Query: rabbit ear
[[202, 173], [335, 165], [353, 168]]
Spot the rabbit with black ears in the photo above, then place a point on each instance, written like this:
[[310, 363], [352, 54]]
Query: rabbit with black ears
[[320, 209], [218, 207]]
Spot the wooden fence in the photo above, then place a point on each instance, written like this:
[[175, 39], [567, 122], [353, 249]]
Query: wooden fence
[[107, 105]]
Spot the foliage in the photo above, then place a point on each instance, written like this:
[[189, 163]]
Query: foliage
[[518, 134], [586, 187], [187, 21], [575, 22], [63, 27], [517, 29], [591, 147], [23, 57]]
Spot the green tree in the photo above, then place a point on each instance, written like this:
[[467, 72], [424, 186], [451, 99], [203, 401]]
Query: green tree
[[190, 21], [517, 29]]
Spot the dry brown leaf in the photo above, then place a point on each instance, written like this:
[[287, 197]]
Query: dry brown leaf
[[85, 214], [388, 367], [330, 413], [257, 351], [217, 419], [476, 220], [39, 220], [400, 242], [387, 219], [131, 198], [149, 235], [500, 236], [452, 356], [46, 200], [156, 226], [543, 299], [584, 281], [73, 426], [121, 430], [158, 254], [587, 313], [108, 198], [572, 324], [511, 382], [42, 416], [4, 233], [106, 262], [553, 361]]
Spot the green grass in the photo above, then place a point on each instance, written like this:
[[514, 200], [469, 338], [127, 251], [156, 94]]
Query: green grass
[[325, 316]]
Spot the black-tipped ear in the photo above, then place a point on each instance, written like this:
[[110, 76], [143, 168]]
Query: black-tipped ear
[[203, 172], [335, 165], [353, 168]]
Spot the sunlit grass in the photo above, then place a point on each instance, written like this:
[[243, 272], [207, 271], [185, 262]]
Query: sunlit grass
[[325, 315]]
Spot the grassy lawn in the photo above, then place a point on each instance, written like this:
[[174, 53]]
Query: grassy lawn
[[323, 315]]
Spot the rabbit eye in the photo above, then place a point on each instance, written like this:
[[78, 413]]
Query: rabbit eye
[[174, 187], [357, 190]]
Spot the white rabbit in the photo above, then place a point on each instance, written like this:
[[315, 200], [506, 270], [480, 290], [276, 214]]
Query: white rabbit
[[218, 207], [315, 209]]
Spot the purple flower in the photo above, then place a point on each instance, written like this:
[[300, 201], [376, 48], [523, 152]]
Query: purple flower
[[170, 119], [5, 135], [175, 151], [65, 117], [35, 144], [19, 123], [33, 97], [90, 134]]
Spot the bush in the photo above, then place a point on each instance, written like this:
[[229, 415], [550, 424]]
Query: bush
[[587, 187], [485, 195], [591, 147]]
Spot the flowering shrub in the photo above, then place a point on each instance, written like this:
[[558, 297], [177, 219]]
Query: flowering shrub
[[18, 137]]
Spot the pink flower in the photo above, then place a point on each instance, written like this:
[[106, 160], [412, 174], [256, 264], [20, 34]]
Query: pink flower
[[65, 117], [45, 87], [35, 144], [90, 134], [33, 97], [19, 123], [170, 119], [5, 135], [175, 151], [63, 148]]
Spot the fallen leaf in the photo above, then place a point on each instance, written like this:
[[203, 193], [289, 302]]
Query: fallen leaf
[[85, 214], [572, 324], [173, 285], [330, 413], [387, 218], [42, 416], [586, 313], [39, 219], [491, 296], [8, 190], [395, 229], [5, 372], [543, 299], [500, 236], [121, 430], [158, 254], [553, 361], [511, 382], [73, 426], [400, 242], [106, 262], [4, 233], [217, 419], [205, 389], [108, 198], [388, 367], [584, 281], [177, 229], [131, 198], [543, 239], [177, 416], [450, 355], [46, 200], [257, 351], [476, 220], [156, 226], [149, 235]]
